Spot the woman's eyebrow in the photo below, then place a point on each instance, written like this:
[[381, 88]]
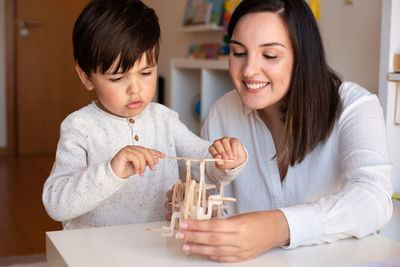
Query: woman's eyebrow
[[262, 45], [272, 44], [236, 42]]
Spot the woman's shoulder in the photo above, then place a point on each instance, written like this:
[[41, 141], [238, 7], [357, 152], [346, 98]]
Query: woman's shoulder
[[351, 93], [228, 103], [229, 97], [358, 103]]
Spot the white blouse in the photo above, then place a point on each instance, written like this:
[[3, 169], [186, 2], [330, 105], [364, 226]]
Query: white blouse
[[341, 189]]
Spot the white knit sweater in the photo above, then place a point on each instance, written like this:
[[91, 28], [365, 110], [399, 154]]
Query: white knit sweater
[[82, 189]]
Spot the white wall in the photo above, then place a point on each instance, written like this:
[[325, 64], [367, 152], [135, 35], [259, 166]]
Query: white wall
[[351, 35], [390, 44], [3, 115]]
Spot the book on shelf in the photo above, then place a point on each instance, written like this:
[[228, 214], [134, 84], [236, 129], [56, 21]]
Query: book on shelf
[[394, 76], [217, 12], [202, 12], [190, 11]]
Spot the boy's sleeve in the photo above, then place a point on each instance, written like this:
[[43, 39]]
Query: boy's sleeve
[[74, 188]]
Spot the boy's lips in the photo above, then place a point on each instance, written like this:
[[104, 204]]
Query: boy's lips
[[134, 104]]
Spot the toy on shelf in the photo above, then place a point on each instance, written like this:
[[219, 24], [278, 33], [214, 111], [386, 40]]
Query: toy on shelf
[[189, 199], [315, 8], [204, 51], [229, 7]]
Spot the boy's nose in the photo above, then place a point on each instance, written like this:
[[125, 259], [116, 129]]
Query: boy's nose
[[133, 88]]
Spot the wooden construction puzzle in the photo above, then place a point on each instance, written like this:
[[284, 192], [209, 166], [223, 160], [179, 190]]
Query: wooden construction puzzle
[[189, 199]]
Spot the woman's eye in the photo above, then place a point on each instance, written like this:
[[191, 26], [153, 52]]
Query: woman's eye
[[238, 54], [146, 73], [115, 79], [269, 57]]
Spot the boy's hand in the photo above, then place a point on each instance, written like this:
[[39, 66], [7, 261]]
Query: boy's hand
[[134, 159], [228, 148]]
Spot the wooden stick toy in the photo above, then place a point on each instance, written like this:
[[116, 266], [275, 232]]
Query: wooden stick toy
[[193, 203]]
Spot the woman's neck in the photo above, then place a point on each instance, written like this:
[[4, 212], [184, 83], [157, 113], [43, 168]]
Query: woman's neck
[[272, 118]]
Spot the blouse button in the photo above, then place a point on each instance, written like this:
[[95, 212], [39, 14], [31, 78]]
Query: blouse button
[[131, 120], [136, 138]]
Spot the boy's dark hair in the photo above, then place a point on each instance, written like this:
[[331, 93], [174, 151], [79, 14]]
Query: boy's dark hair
[[312, 103], [110, 30]]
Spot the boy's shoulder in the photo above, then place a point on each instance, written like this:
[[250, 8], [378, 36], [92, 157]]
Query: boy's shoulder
[[159, 110], [81, 116]]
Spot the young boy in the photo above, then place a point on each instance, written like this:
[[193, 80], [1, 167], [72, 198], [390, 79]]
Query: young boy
[[99, 176]]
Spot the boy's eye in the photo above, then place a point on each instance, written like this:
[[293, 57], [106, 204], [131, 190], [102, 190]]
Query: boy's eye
[[115, 79]]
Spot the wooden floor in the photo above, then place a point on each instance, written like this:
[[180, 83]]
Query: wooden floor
[[23, 219]]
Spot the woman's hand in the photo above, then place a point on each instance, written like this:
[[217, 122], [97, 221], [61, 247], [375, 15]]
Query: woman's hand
[[228, 148], [134, 159], [238, 238]]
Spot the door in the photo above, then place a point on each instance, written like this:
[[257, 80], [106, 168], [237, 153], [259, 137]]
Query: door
[[47, 87]]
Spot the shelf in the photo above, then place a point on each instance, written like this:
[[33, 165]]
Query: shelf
[[211, 64], [203, 28], [394, 76], [197, 79]]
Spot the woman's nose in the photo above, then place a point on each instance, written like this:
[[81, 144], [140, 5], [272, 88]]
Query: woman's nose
[[251, 66]]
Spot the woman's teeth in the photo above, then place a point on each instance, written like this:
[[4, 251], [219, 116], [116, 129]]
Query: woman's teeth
[[256, 85]]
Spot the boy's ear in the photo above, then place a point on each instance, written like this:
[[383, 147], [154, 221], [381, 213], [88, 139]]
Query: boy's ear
[[84, 78]]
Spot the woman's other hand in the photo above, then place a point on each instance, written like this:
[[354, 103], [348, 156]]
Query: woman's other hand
[[238, 238]]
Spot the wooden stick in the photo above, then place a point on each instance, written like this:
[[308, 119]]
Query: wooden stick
[[224, 199], [159, 230], [191, 159]]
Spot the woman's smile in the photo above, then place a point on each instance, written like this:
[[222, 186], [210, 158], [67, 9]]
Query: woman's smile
[[255, 87]]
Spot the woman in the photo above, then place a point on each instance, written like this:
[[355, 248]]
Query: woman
[[318, 168]]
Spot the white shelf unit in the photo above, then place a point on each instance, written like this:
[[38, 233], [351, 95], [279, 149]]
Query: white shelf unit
[[192, 77], [203, 28]]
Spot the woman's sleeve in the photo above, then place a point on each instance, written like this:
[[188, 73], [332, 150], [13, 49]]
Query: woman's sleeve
[[74, 188], [363, 204]]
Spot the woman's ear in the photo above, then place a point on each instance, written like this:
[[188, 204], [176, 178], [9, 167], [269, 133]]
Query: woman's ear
[[84, 78]]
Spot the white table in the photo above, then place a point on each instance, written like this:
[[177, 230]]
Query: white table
[[132, 245], [392, 229]]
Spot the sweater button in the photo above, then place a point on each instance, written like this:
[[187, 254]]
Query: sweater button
[[131, 120], [136, 138]]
